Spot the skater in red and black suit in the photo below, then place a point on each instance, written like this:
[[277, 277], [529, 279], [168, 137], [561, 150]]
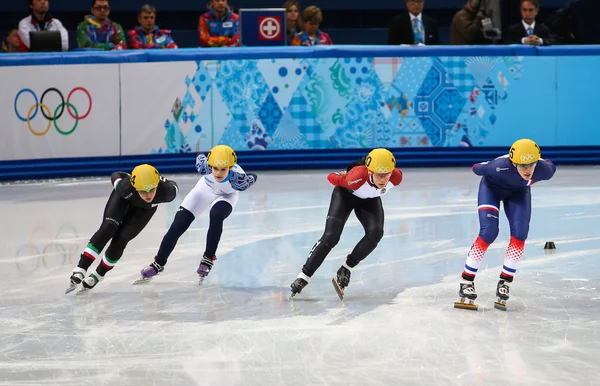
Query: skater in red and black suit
[[358, 189], [506, 179]]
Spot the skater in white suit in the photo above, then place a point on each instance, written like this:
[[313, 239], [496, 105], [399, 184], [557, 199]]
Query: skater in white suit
[[222, 180]]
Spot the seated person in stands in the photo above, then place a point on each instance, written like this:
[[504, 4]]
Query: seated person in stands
[[98, 31], [11, 43], [413, 27], [219, 27], [40, 20], [466, 28], [528, 31], [147, 34], [312, 35], [293, 19]]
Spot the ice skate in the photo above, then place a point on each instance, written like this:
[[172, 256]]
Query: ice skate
[[75, 279], [297, 286], [90, 282], [341, 281], [467, 293], [502, 292], [204, 268], [149, 272]]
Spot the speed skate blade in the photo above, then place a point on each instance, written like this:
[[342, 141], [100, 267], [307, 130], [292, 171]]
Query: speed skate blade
[[500, 305], [142, 280], [338, 289], [82, 291], [466, 306], [201, 280], [71, 288]]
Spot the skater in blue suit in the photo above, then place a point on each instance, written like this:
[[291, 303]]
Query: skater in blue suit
[[506, 179]]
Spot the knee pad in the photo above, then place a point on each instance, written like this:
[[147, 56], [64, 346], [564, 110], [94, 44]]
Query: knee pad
[[183, 219]]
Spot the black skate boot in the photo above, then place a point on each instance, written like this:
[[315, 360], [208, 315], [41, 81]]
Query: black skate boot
[[502, 292], [297, 286], [90, 282], [467, 291], [341, 281], [75, 279]]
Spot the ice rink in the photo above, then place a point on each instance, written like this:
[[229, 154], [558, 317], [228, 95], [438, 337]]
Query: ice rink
[[396, 326]]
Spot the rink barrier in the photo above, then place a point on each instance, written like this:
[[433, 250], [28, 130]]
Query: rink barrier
[[328, 159], [278, 159]]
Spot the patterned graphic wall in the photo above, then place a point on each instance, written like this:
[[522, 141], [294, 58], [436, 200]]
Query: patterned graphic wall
[[341, 102]]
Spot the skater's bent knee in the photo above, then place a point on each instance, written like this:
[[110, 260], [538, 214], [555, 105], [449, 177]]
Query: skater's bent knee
[[220, 211], [489, 234], [519, 230], [183, 219], [375, 234], [109, 227], [330, 239]]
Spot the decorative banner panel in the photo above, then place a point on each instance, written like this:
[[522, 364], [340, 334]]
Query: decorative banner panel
[[60, 111], [327, 103]]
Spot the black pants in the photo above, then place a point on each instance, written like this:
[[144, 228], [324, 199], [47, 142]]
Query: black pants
[[122, 223], [370, 214]]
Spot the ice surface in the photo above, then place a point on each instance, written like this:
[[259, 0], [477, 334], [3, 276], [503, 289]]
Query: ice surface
[[396, 326]]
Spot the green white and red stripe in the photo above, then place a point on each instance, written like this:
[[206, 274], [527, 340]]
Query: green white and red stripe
[[91, 252], [108, 263]]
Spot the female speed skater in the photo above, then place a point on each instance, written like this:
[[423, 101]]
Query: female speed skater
[[506, 179], [357, 189], [218, 188]]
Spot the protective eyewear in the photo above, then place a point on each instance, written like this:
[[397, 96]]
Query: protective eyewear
[[527, 166]]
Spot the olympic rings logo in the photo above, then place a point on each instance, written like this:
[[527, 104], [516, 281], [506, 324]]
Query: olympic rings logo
[[46, 112], [527, 158], [221, 163], [383, 170]]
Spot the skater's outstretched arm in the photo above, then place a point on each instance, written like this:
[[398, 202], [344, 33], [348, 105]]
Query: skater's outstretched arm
[[544, 170], [241, 181], [166, 191], [357, 176], [202, 165], [481, 168]]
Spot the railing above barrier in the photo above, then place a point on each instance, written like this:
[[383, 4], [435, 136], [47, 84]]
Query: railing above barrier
[[245, 53]]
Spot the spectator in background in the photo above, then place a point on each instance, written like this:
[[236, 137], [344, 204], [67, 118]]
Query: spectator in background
[[466, 25], [40, 20], [312, 35], [147, 34], [219, 27], [412, 27], [11, 43], [98, 31], [528, 31], [293, 19]]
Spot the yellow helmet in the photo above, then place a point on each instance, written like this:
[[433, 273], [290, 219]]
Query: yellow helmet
[[380, 161], [221, 156], [144, 178], [525, 152]]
